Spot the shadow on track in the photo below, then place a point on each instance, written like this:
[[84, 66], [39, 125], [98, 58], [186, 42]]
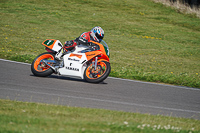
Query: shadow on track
[[68, 78]]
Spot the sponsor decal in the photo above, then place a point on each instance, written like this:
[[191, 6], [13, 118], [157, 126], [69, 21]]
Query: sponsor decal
[[77, 55], [73, 59], [91, 55], [72, 68]]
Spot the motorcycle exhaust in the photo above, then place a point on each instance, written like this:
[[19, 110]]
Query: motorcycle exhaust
[[45, 61]]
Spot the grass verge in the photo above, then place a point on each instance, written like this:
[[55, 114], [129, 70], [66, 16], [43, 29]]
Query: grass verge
[[22, 117], [147, 40]]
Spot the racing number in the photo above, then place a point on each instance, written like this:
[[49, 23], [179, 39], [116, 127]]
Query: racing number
[[49, 42]]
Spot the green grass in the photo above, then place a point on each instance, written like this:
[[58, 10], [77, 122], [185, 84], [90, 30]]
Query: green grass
[[20, 117], [147, 40]]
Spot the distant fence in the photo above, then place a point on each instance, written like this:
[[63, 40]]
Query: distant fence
[[191, 3]]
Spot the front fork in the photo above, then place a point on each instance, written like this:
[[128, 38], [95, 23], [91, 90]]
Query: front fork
[[94, 63]]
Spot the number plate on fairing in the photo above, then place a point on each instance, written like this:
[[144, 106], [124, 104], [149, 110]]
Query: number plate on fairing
[[55, 45], [49, 42]]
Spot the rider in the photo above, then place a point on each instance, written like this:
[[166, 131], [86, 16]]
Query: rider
[[96, 34]]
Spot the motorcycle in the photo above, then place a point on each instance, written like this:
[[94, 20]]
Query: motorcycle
[[86, 62]]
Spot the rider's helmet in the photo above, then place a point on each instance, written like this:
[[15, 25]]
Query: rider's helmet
[[97, 34]]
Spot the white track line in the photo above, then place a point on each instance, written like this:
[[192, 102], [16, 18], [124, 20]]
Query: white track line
[[143, 82], [15, 62]]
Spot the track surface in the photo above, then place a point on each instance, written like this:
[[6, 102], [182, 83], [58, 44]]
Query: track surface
[[18, 83]]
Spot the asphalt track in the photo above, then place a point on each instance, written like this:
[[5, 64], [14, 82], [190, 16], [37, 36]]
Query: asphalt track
[[18, 83]]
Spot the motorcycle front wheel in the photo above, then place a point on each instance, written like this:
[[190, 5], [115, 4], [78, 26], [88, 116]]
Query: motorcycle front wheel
[[101, 73], [39, 68]]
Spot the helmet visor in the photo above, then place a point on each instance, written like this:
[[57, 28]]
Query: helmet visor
[[98, 36]]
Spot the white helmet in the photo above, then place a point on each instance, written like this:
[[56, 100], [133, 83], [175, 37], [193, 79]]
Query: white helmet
[[97, 34]]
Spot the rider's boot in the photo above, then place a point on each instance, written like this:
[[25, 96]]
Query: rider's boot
[[69, 46], [60, 54]]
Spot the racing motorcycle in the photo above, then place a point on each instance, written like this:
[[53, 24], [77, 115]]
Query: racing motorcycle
[[86, 62]]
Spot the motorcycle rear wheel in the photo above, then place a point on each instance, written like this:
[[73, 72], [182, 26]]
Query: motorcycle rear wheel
[[101, 73], [39, 68]]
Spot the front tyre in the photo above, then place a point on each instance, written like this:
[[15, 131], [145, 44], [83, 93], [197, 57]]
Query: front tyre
[[101, 73], [39, 68]]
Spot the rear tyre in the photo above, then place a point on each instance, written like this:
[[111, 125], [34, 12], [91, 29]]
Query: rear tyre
[[39, 68], [98, 75]]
